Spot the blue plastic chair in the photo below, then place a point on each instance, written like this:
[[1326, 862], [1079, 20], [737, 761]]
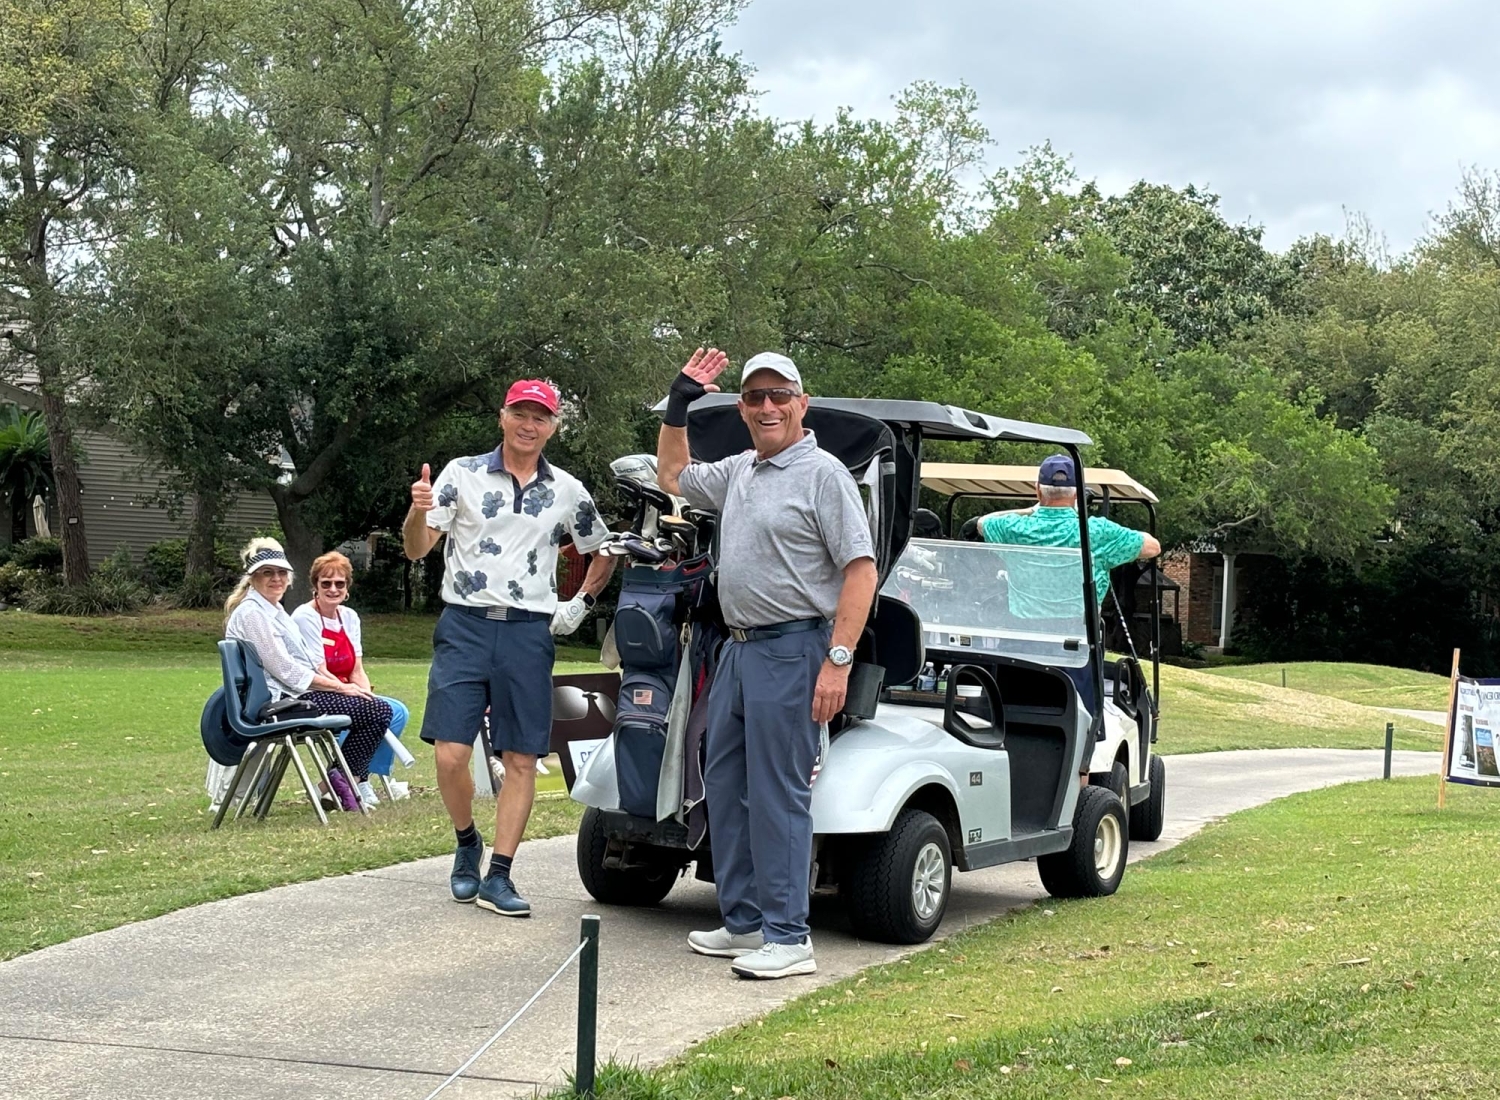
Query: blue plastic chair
[[270, 747]]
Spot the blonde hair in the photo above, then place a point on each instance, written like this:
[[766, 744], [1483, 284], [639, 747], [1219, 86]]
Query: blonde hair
[[331, 562], [253, 547]]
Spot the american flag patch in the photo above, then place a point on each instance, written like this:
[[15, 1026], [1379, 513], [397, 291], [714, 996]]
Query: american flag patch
[[642, 697]]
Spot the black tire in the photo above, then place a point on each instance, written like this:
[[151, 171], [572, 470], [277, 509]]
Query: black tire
[[1117, 779], [1148, 817], [880, 877], [1094, 863], [614, 887]]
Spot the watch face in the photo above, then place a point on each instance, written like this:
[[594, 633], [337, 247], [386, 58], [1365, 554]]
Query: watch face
[[840, 655]]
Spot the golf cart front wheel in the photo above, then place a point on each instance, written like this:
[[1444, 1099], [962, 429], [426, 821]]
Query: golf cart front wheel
[[1093, 865], [896, 884], [1148, 817], [612, 886]]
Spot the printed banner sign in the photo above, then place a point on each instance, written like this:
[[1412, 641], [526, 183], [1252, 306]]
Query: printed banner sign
[[1475, 731]]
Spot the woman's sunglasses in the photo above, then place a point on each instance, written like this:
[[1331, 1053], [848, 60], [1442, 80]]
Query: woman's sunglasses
[[336, 585], [777, 395]]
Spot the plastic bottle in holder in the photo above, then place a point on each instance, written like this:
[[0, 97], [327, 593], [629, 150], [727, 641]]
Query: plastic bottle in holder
[[927, 678]]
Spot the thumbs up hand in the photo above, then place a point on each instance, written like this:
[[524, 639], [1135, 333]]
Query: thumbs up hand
[[421, 490]]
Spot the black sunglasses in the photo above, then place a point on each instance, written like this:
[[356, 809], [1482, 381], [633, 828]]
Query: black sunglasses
[[778, 395]]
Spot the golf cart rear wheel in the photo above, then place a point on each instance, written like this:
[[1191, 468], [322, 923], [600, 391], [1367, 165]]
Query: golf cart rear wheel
[[1148, 817], [637, 886], [1094, 863], [1117, 779], [896, 885]]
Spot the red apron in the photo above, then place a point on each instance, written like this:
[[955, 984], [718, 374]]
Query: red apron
[[338, 652]]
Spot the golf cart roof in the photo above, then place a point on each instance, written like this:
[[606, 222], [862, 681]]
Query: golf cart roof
[[951, 478], [935, 421]]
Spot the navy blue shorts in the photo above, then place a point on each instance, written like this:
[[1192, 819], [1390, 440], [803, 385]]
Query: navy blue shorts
[[496, 663]]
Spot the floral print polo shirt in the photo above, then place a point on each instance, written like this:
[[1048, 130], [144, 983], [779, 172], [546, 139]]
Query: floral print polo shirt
[[503, 537]]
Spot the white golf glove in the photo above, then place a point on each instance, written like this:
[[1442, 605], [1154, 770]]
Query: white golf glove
[[568, 615]]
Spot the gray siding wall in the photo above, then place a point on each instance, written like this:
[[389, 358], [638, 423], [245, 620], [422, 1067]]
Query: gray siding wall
[[119, 491]]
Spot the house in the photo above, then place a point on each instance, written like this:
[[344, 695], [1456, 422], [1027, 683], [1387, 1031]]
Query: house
[[1207, 581], [120, 492]]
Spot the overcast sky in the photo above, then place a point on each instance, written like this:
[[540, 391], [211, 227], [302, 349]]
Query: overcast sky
[[1293, 110]]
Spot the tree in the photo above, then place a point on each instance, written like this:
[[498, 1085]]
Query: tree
[[25, 464], [1200, 276], [68, 92]]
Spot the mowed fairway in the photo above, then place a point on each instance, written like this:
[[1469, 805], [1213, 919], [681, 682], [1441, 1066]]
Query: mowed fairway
[[103, 812], [1207, 711], [1336, 944], [1372, 685]]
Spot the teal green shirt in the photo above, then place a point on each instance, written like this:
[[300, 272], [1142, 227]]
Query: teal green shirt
[[1041, 588]]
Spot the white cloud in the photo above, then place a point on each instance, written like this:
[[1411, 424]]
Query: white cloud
[[1295, 111]]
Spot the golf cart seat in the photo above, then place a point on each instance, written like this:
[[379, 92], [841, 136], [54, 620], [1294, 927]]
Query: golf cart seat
[[890, 651]]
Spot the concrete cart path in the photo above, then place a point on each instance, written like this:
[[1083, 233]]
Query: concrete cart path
[[1435, 717], [376, 985]]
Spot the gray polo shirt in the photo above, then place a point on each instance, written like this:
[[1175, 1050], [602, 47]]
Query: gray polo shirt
[[788, 527]]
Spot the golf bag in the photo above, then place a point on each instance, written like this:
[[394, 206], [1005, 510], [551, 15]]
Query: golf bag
[[660, 610]]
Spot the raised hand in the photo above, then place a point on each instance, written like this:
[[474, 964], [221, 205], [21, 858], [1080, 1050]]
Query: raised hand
[[691, 383], [421, 490], [704, 366]]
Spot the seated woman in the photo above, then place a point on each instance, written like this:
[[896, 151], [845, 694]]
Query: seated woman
[[332, 629], [257, 618]]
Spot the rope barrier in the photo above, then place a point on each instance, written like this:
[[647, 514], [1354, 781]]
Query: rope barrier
[[519, 1013]]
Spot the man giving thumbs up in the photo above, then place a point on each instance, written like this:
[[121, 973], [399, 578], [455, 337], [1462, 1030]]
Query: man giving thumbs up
[[505, 515]]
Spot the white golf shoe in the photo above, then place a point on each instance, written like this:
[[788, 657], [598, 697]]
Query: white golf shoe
[[724, 944], [777, 960], [367, 793]]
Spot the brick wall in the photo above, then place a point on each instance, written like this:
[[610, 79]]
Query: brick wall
[[1194, 573]]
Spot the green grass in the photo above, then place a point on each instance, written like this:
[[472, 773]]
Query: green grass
[[402, 637], [1203, 711], [103, 813], [1335, 944], [1371, 685]]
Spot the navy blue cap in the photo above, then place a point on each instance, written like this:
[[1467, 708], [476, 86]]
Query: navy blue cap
[[1057, 470]]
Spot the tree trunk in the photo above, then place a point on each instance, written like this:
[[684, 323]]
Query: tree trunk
[[75, 542], [19, 506], [304, 540], [208, 508]]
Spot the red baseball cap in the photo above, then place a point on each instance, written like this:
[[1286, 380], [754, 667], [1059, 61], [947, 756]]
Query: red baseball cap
[[533, 389]]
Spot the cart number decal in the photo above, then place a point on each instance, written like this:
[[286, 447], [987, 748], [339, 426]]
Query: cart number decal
[[976, 779], [641, 697], [974, 835]]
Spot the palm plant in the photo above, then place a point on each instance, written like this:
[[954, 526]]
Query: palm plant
[[25, 463]]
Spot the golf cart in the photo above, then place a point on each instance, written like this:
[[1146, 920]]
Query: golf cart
[[915, 780], [1123, 758]]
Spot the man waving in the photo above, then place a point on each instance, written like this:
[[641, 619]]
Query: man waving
[[796, 580]]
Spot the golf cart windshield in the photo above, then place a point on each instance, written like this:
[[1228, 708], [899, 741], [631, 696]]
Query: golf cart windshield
[[1015, 601]]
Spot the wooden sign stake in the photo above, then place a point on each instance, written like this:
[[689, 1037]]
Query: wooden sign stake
[[1448, 733]]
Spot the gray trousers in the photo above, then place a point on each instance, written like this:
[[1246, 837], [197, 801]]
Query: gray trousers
[[762, 742]]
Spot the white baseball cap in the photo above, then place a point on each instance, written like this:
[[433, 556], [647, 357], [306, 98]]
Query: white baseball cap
[[772, 361]]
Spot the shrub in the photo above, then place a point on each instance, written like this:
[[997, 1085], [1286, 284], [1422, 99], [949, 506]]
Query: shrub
[[164, 568], [106, 592], [38, 553], [200, 591], [13, 579], [165, 563]]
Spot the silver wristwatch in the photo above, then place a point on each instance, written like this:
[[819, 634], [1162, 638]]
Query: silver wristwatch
[[841, 656]]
